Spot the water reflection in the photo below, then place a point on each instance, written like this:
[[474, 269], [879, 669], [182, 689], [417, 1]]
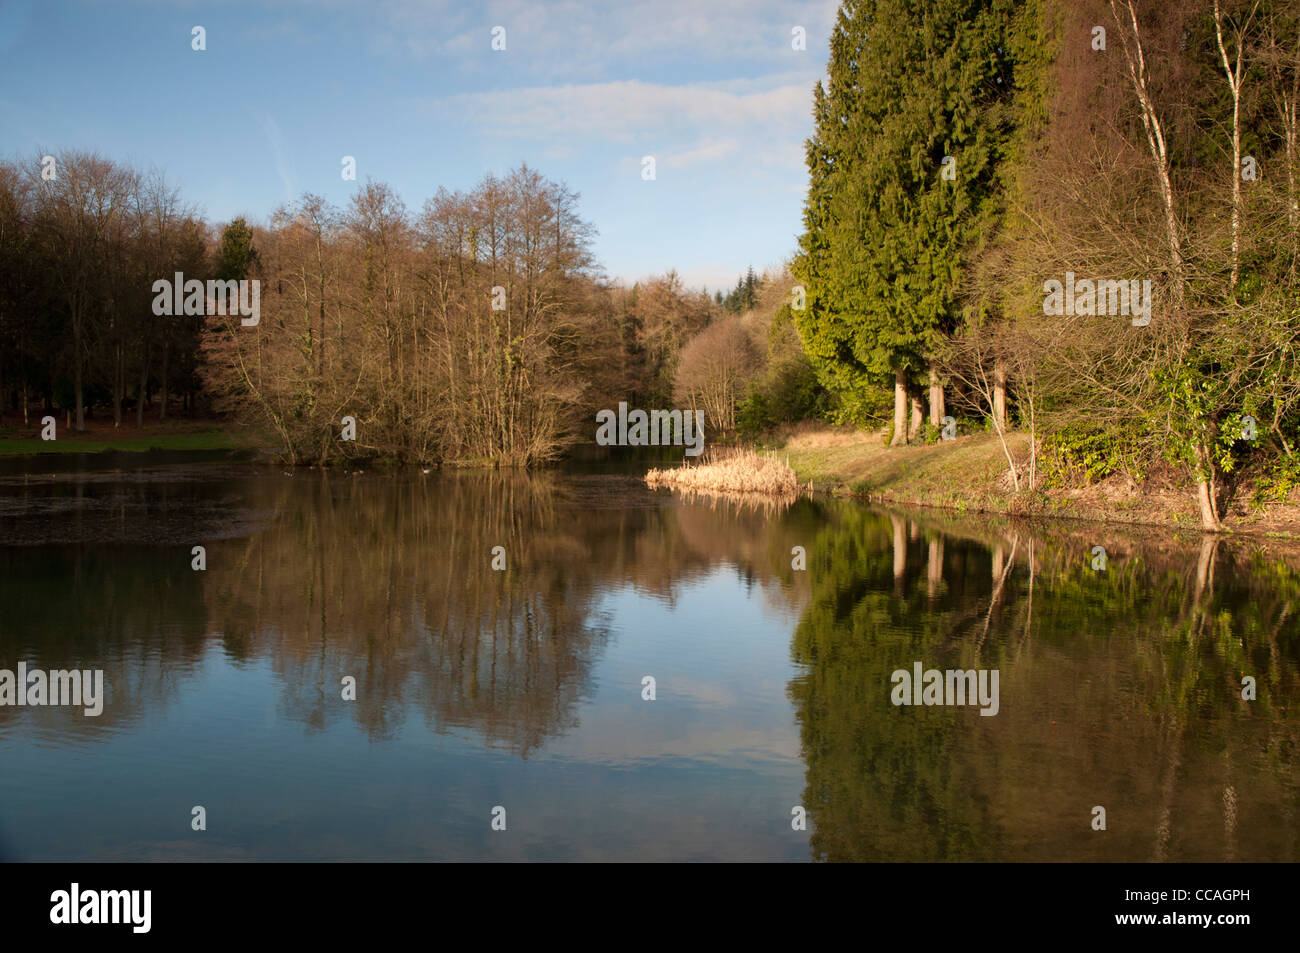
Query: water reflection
[[1120, 688]]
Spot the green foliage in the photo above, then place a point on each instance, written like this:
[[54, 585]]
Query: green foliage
[[1181, 388], [236, 255], [1201, 432], [787, 393], [1085, 455], [1277, 481], [744, 297], [788, 390], [886, 234], [755, 415], [868, 407]]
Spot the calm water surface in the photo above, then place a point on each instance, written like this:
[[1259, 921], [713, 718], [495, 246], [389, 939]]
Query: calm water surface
[[522, 688]]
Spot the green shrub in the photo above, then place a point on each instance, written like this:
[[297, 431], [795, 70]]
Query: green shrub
[[1077, 454], [754, 415], [786, 394], [1277, 482]]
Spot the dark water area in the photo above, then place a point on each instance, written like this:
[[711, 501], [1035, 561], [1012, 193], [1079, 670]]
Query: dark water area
[[522, 688]]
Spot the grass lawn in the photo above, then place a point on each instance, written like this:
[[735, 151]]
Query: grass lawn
[[970, 474], [957, 473], [180, 436]]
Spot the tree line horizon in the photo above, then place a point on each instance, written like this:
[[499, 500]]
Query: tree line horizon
[[965, 154], [365, 311]]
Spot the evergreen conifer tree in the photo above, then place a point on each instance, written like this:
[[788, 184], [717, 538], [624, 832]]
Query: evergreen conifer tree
[[904, 183]]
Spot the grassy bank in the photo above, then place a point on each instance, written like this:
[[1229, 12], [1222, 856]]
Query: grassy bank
[[970, 475], [100, 437]]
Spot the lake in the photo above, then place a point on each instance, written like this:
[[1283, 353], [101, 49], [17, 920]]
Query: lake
[[517, 697]]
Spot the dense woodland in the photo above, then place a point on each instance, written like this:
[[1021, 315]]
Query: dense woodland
[[968, 152], [478, 328], [964, 153]]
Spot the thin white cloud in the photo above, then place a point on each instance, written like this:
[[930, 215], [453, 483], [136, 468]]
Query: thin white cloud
[[634, 111], [576, 38], [706, 152]]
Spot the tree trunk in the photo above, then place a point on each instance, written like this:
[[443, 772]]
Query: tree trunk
[[1033, 446], [1209, 512], [937, 408], [1234, 84], [162, 407], [76, 374], [1293, 197], [1205, 489], [1155, 134], [119, 386], [900, 408], [914, 425], [320, 269], [1288, 104], [142, 392], [1000, 396]]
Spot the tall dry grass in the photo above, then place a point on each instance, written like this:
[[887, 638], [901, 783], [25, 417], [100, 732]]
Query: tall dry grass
[[731, 472]]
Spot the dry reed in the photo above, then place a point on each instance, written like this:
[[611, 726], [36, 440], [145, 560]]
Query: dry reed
[[737, 471]]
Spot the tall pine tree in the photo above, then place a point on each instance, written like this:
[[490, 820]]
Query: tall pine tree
[[235, 254], [903, 164]]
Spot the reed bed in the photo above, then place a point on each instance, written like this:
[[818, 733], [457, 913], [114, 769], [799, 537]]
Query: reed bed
[[732, 472]]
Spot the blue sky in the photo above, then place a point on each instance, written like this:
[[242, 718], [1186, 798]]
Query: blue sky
[[286, 88]]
